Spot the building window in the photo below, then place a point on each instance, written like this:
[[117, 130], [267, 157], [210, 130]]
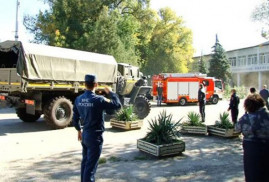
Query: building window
[[242, 61], [262, 58], [266, 58], [252, 59], [232, 61]]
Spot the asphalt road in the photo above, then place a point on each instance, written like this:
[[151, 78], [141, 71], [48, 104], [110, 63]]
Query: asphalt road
[[34, 152]]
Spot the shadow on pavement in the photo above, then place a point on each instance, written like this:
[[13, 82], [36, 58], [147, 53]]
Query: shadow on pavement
[[205, 159], [18, 126]]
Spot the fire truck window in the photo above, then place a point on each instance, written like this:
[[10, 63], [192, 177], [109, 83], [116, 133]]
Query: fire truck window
[[218, 84], [205, 82]]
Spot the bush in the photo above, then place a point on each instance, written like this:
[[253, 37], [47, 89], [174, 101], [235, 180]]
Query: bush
[[162, 130], [241, 92], [126, 114], [224, 122], [194, 119]]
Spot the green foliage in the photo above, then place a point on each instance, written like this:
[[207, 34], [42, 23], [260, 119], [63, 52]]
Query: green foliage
[[126, 114], [169, 49], [224, 121], [162, 130], [127, 29], [241, 92], [102, 160], [193, 119], [219, 64], [114, 159], [261, 14], [202, 66]]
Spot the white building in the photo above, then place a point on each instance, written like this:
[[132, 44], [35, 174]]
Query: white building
[[249, 66]]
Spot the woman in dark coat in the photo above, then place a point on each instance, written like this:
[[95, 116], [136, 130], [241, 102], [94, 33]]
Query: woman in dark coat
[[254, 125]]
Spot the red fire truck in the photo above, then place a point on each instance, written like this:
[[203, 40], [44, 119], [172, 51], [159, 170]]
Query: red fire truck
[[180, 88]]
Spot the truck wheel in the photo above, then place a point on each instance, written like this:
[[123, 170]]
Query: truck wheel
[[215, 100], [182, 102], [21, 113], [142, 107], [58, 113]]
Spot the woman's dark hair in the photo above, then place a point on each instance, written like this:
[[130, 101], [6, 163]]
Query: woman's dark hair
[[253, 102]]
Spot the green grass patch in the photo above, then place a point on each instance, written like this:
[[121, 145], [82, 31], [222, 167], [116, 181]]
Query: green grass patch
[[102, 160]]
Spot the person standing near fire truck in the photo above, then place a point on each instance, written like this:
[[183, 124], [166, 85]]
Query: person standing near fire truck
[[233, 106], [160, 93], [202, 101]]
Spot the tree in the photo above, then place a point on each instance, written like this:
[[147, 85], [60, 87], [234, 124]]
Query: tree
[[202, 65], [219, 64], [169, 49], [127, 29], [261, 14], [102, 26]]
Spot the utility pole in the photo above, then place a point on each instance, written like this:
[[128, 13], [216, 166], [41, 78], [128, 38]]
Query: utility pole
[[17, 26]]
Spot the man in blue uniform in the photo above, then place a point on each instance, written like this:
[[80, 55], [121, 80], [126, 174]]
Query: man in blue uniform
[[264, 93], [89, 110], [233, 106], [202, 101]]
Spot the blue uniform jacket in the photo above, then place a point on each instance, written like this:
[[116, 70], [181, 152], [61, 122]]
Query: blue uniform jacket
[[201, 96], [234, 101], [89, 108]]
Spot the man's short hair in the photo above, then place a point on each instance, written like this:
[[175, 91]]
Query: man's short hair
[[252, 90], [89, 85], [90, 81]]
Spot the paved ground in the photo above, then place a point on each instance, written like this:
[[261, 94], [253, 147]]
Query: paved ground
[[34, 152]]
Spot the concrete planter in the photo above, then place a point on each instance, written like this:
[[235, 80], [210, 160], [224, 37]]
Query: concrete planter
[[161, 150], [200, 130], [212, 130], [126, 125]]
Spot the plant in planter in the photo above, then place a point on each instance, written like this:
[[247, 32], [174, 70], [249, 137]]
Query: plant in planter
[[193, 125], [223, 127], [126, 119], [163, 137]]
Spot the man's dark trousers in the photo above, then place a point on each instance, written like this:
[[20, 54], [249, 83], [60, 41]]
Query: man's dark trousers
[[92, 147], [234, 113], [202, 110]]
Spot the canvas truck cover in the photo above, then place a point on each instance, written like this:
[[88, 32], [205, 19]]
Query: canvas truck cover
[[40, 62]]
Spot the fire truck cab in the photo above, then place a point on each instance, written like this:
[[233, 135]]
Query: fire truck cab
[[181, 88]]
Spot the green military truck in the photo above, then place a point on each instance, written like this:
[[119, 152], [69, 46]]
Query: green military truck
[[39, 79]]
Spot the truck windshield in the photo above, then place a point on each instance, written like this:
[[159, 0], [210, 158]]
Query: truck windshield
[[218, 84]]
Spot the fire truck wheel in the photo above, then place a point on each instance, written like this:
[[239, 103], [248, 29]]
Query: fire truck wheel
[[21, 113], [182, 102], [215, 100], [58, 113], [142, 107]]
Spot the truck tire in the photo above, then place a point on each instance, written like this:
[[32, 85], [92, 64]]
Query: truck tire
[[58, 113], [21, 113], [182, 102], [215, 100], [142, 107]]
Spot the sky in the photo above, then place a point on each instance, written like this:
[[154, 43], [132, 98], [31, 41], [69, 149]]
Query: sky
[[229, 19]]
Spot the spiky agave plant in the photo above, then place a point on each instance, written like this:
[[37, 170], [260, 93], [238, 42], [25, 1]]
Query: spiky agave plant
[[126, 114], [224, 121], [162, 129], [193, 119]]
